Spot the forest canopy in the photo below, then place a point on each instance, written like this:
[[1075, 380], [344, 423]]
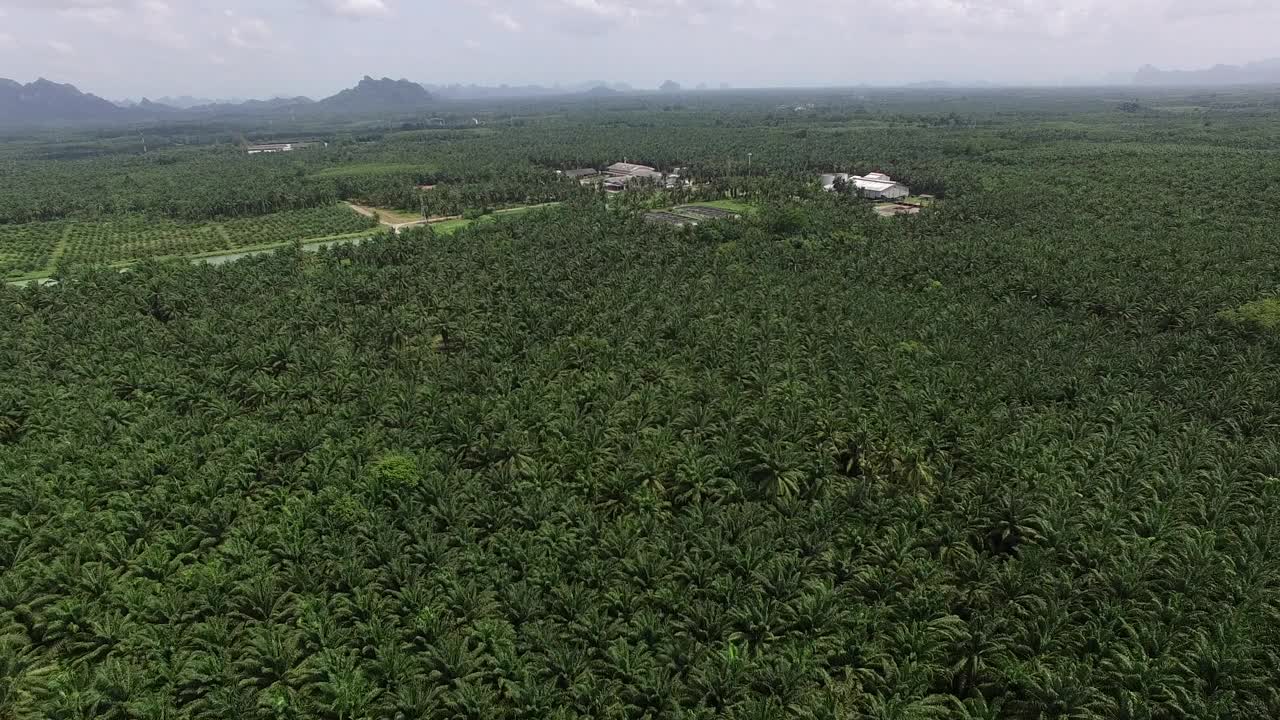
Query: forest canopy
[[1012, 457]]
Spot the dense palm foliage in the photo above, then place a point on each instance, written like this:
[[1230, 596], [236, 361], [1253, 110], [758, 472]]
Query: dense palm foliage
[[1007, 459]]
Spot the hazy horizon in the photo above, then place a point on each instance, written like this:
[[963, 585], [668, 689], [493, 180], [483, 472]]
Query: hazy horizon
[[236, 48]]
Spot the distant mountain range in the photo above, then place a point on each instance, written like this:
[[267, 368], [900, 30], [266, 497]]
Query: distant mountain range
[[483, 92], [253, 106], [602, 91], [1257, 73], [182, 102], [45, 102]]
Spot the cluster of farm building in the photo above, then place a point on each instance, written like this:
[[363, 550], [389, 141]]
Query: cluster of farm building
[[619, 176], [890, 195]]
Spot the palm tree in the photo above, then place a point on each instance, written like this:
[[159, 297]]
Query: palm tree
[[26, 680], [343, 687]]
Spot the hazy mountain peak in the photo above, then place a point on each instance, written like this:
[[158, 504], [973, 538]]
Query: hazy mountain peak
[[45, 101], [1261, 72], [372, 95]]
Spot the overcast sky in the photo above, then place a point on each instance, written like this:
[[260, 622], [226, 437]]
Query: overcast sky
[[248, 48]]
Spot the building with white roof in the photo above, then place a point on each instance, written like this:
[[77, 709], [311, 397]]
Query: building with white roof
[[621, 174], [874, 186], [623, 169]]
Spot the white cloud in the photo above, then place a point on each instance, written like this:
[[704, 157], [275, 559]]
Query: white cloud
[[7, 41], [248, 32], [153, 20], [162, 26], [100, 15], [1049, 17], [61, 47], [596, 7], [505, 21], [356, 8], [156, 8]]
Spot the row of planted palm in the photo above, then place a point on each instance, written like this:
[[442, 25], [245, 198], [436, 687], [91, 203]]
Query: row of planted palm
[[578, 466]]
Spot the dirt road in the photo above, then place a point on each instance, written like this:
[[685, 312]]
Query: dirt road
[[396, 226]]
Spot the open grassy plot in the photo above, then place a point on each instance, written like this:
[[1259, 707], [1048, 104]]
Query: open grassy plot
[[736, 206], [448, 227]]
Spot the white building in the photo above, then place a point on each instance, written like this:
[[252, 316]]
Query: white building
[[623, 169], [270, 148], [878, 186], [621, 174], [873, 186], [261, 148]]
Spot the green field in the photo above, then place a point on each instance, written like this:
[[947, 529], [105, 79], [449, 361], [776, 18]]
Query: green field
[[34, 249], [448, 227]]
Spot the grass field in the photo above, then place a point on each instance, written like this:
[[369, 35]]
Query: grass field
[[730, 205], [449, 227]]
